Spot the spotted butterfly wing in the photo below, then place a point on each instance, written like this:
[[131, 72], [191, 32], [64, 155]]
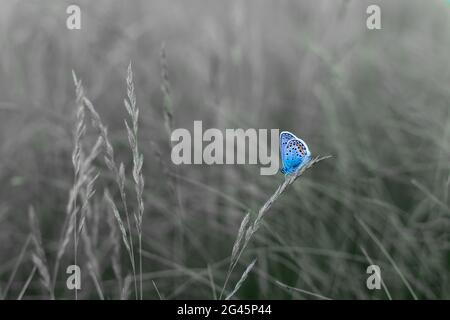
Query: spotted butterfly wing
[[285, 136], [294, 152]]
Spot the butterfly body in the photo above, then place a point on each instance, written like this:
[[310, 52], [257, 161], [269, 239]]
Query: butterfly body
[[294, 153]]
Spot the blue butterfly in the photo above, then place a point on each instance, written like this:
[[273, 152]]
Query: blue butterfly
[[294, 153]]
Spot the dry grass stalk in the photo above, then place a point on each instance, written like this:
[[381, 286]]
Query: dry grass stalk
[[241, 280], [165, 88], [23, 250], [27, 283], [94, 276], [126, 288], [138, 160], [289, 288], [242, 241], [38, 255], [83, 185], [114, 240], [119, 176], [172, 179], [122, 228]]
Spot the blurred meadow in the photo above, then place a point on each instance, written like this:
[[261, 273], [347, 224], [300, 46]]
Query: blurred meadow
[[378, 101]]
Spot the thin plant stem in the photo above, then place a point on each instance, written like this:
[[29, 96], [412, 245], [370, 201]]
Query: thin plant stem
[[252, 228]]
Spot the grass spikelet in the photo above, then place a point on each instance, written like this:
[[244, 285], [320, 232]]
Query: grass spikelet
[[77, 162], [114, 240], [241, 280], [89, 193], [83, 184], [138, 160], [122, 228], [165, 88], [173, 183], [240, 236], [118, 173]]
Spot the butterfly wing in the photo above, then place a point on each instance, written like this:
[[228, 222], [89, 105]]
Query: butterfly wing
[[294, 153], [285, 136]]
